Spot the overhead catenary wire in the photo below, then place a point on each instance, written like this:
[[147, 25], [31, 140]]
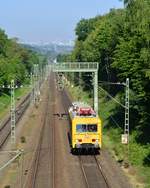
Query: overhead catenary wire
[[123, 84], [116, 83], [119, 84], [112, 97], [115, 122]]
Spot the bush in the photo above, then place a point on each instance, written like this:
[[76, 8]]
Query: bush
[[23, 139]]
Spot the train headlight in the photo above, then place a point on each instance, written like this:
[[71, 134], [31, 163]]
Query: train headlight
[[78, 145], [96, 143]]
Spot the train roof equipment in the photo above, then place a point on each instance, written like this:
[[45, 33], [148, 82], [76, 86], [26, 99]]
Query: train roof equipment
[[82, 109]]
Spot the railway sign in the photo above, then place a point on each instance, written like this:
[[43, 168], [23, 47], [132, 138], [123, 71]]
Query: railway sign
[[124, 138]]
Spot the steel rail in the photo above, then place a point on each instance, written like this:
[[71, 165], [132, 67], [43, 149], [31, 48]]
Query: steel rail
[[32, 179], [5, 130], [101, 171], [53, 139], [83, 172], [8, 119], [37, 157], [38, 150], [66, 103]]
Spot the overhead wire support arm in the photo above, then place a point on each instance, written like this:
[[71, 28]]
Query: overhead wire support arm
[[125, 136], [112, 83]]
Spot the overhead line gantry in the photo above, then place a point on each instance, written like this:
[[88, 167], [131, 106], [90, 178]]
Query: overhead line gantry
[[80, 67]]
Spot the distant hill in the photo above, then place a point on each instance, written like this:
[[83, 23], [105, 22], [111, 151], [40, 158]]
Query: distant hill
[[50, 49]]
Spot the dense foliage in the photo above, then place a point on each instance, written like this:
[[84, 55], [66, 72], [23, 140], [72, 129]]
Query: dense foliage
[[16, 62], [120, 42]]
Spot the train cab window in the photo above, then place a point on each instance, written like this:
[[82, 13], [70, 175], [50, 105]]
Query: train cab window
[[92, 128], [80, 128]]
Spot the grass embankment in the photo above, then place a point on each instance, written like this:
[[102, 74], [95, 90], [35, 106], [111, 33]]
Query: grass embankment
[[139, 173], [6, 99]]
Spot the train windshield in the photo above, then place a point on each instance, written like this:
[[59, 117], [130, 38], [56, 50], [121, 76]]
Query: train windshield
[[80, 128]]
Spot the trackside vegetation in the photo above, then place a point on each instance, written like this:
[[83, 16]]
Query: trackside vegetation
[[138, 172], [120, 42], [16, 62]]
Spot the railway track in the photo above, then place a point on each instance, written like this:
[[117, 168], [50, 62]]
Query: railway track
[[92, 172], [90, 166], [42, 171], [43, 163], [5, 128]]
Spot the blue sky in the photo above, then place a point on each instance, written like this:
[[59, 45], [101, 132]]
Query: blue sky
[[43, 21]]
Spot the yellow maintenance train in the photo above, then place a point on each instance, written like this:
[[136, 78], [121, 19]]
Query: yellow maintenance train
[[86, 128]]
